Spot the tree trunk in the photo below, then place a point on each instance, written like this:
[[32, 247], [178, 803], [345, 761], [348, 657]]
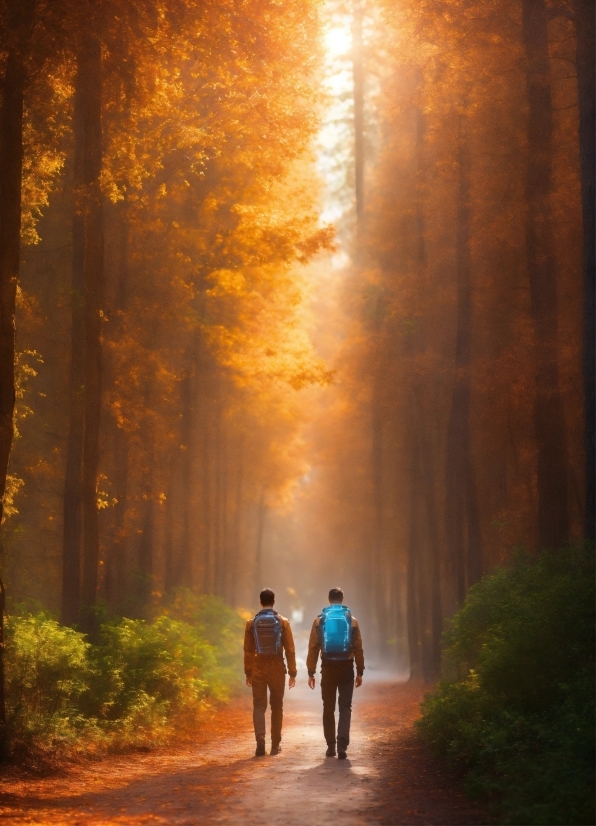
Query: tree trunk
[[432, 654], [21, 18], [549, 421], [462, 521], [146, 557], [584, 23], [90, 77], [378, 575], [72, 503], [116, 585], [184, 568], [3, 738], [413, 572], [233, 566]]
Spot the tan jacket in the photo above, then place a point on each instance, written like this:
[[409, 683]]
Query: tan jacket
[[314, 648], [253, 661]]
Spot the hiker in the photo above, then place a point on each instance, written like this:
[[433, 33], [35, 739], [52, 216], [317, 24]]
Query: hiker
[[267, 636], [336, 636]]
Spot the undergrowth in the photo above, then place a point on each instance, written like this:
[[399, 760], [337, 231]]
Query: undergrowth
[[516, 706], [137, 685]]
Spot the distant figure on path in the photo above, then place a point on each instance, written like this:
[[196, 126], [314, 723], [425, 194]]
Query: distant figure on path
[[267, 636], [336, 636]]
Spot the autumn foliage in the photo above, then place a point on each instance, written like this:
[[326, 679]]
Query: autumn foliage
[[169, 204], [457, 426]]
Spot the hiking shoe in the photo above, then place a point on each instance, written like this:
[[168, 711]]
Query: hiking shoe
[[275, 749], [341, 753], [330, 751], [260, 752]]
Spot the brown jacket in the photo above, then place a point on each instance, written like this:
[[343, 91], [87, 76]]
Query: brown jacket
[[252, 660], [314, 648]]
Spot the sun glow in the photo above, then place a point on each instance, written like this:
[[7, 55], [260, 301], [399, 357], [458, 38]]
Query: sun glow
[[338, 40]]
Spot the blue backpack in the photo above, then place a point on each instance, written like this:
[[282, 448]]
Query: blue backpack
[[267, 631], [335, 632]]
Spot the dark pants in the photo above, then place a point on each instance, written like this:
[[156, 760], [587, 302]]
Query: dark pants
[[337, 679], [272, 677]]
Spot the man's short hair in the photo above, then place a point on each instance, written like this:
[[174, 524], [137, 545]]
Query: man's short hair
[[267, 597], [336, 595]]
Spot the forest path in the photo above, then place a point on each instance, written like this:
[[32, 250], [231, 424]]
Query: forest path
[[388, 778]]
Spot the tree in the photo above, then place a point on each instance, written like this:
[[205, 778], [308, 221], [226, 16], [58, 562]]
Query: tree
[[18, 20], [583, 11], [549, 421]]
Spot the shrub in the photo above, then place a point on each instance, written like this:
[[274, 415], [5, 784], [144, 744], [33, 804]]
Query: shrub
[[145, 674], [47, 672], [517, 706], [218, 624], [136, 686]]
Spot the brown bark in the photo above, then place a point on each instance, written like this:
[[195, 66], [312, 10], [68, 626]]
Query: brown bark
[[3, 741], [94, 302], [146, 559], [377, 572], [182, 569], [72, 502], [549, 421], [463, 537], [584, 23], [116, 586], [81, 515], [421, 432], [233, 566], [413, 573], [21, 19]]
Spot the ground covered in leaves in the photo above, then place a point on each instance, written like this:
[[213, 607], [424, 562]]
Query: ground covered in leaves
[[389, 778]]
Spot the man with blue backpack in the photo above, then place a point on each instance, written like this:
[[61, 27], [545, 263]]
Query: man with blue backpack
[[267, 636], [336, 636]]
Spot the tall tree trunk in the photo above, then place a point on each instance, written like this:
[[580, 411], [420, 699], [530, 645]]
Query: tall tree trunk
[[432, 654], [462, 521], [549, 421], [72, 536], [21, 18], [183, 568], [378, 575], [146, 559], [90, 76], [115, 574], [233, 567], [116, 586], [81, 532], [3, 738], [358, 92], [413, 571], [584, 23]]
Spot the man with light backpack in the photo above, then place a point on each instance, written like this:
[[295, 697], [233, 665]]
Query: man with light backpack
[[267, 636], [336, 636]]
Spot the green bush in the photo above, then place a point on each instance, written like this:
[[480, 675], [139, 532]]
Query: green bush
[[516, 707], [47, 674], [218, 624], [135, 686]]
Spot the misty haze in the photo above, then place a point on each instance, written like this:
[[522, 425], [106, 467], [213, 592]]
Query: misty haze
[[297, 412]]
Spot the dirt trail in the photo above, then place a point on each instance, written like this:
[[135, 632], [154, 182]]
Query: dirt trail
[[389, 778]]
